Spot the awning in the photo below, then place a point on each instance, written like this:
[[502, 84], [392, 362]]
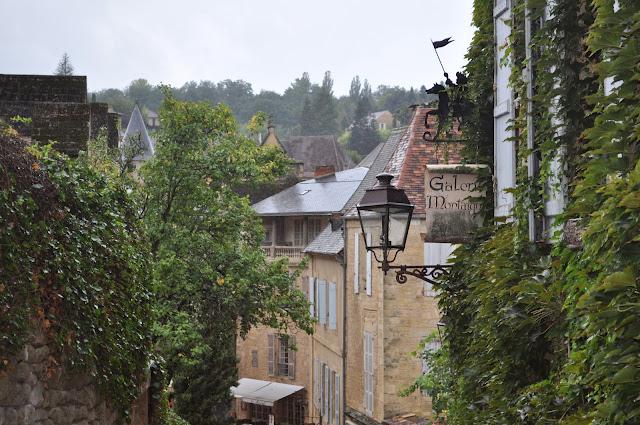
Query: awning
[[265, 393]]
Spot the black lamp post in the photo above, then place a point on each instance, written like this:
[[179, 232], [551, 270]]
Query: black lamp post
[[390, 207]]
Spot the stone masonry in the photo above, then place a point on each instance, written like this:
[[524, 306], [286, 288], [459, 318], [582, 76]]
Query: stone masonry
[[58, 109], [33, 394]]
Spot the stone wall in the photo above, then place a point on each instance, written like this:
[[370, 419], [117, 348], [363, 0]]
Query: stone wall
[[58, 109], [43, 88], [32, 392]]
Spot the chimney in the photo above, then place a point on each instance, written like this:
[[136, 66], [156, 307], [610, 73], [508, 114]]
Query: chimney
[[324, 170]]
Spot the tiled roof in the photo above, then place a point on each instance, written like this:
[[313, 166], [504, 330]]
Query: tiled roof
[[409, 162], [367, 161], [329, 242], [137, 129], [405, 155], [377, 166], [315, 151], [322, 195]]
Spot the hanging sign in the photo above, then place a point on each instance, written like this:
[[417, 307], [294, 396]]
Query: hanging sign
[[453, 202]]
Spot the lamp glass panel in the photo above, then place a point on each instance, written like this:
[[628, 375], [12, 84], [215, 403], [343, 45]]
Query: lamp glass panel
[[398, 223]]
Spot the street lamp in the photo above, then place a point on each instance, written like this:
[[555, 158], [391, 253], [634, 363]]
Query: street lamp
[[390, 211]]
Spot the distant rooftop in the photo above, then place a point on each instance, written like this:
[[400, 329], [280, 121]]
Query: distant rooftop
[[316, 151], [319, 196], [136, 129]]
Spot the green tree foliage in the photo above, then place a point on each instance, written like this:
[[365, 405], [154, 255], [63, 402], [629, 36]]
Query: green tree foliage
[[541, 334], [321, 118], [74, 263], [64, 66], [211, 277]]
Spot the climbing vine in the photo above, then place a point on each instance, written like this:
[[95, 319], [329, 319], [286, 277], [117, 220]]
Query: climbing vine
[[73, 265], [542, 333]]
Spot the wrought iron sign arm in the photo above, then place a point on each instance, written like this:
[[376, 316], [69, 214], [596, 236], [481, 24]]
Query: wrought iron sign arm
[[429, 274]]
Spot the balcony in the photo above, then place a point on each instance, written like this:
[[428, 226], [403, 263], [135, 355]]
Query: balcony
[[294, 253]]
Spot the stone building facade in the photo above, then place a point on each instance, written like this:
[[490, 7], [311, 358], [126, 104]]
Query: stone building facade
[[58, 110]]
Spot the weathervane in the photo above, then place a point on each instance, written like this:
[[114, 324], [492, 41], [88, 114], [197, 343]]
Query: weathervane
[[455, 105]]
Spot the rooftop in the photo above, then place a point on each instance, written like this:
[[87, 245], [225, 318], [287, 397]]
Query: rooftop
[[319, 196], [315, 151]]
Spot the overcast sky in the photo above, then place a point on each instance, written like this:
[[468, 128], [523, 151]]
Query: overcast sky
[[265, 42]]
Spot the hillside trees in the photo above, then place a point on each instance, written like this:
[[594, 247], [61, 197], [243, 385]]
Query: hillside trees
[[211, 279]]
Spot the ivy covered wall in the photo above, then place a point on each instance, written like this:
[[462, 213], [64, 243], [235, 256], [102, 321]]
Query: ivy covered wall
[[547, 333], [73, 268]]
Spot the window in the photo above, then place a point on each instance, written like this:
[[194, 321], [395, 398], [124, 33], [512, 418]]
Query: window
[[254, 358], [314, 227], [259, 412], [281, 356], [332, 305], [368, 372], [298, 232], [268, 234], [430, 347], [435, 253], [382, 126]]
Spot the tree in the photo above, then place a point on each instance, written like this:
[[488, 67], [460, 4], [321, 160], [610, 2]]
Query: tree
[[324, 108], [307, 118], [364, 136], [64, 66], [212, 280]]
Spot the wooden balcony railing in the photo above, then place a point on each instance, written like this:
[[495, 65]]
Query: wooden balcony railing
[[293, 252]]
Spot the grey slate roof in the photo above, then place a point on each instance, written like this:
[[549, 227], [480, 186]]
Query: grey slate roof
[[367, 161], [320, 196], [315, 151], [377, 166], [137, 129], [328, 242]]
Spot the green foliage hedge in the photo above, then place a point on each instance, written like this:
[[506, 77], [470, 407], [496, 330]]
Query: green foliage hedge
[[74, 262], [548, 334]]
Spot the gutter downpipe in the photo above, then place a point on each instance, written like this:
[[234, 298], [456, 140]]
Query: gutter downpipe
[[345, 256]]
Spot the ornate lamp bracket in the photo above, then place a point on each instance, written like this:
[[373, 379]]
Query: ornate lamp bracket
[[429, 274]]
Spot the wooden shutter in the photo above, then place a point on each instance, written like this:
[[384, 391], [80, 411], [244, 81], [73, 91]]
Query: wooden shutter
[[322, 302], [368, 267], [316, 384], [271, 354], [337, 403], [330, 401], [312, 296], [332, 305], [368, 372], [292, 357], [325, 386], [356, 263]]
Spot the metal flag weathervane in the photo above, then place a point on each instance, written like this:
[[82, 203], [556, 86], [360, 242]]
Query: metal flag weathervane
[[439, 44]]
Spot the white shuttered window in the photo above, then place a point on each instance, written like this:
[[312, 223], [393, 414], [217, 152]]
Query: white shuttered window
[[435, 253], [332, 305], [322, 302]]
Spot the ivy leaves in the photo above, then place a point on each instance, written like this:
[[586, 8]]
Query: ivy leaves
[[74, 263]]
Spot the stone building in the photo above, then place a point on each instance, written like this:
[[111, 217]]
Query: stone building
[[386, 320], [57, 109], [276, 379], [359, 357], [382, 120], [311, 154]]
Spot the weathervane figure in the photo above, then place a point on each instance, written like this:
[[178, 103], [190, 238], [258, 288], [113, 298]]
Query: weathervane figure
[[457, 106]]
